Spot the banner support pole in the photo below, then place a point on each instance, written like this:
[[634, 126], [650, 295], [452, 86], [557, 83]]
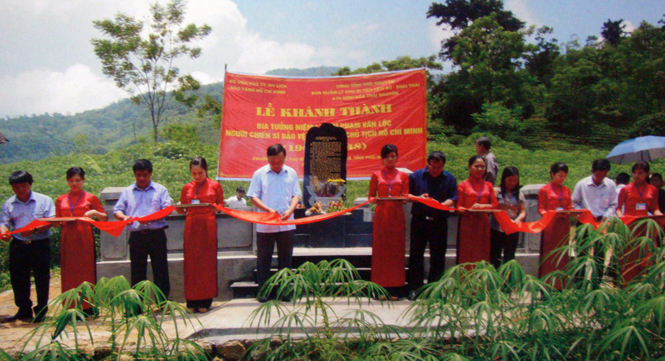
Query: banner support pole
[[221, 121]]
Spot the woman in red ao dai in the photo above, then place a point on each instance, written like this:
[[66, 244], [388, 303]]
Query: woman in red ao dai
[[77, 243], [637, 199], [554, 196], [389, 229], [200, 240], [473, 239]]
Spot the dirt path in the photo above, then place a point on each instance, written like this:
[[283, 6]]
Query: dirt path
[[12, 333]]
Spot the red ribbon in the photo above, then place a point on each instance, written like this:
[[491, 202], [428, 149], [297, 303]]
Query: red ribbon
[[510, 227], [28, 227], [274, 219], [115, 228]]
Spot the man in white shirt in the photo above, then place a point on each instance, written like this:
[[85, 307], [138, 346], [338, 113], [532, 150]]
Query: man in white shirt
[[274, 189], [598, 194], [237, 201]]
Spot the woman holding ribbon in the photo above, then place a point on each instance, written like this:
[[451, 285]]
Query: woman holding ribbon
[[511, 200], [389, 232], [200, 240], [474, 197], [554, 196], [77, 243], [637, 199]]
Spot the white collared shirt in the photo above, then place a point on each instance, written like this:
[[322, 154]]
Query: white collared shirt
[[16, 214], [600, 199], [234, 202], [275, 191]]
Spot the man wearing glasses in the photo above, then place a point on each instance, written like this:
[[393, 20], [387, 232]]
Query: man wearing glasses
[[429, 225]]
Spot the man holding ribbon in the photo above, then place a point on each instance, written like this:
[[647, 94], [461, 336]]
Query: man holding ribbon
[[429, 225], [598, 194], [29, 251], [274, 189], [143, 198]]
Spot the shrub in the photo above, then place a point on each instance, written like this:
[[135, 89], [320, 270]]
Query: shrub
[[652, 124], [497, 119]]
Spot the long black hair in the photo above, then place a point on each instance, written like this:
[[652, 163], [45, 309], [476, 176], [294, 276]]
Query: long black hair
[[510, 171]]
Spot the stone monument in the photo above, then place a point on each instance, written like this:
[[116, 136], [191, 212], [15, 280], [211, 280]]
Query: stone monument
[[325, 165]]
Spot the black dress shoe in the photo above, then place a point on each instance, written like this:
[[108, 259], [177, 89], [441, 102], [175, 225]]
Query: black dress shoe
[[262, 299], [17, 317], [39, 318], [413, 295], [91, 312], [40, 313]]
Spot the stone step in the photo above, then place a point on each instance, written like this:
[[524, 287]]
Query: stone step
[[249, 289]]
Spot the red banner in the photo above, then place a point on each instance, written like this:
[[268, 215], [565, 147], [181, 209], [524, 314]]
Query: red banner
[[374, 109]]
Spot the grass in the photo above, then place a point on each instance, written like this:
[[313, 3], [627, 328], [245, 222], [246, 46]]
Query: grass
[[481, 313], [133, 316], [473, 312]]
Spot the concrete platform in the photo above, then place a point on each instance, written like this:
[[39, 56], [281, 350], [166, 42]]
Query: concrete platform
[[230, 321]]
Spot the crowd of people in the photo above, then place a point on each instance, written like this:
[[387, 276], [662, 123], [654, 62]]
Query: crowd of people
[[274, 188], [480, 237]]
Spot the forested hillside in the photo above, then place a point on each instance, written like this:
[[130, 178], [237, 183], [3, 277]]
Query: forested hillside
[[116, 126], [97, 131], [309, 72]]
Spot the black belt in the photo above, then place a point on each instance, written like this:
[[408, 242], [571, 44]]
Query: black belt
[[148, 231], [429, 218], [22, 242]]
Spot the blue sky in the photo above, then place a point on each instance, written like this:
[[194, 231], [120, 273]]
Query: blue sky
[[47, 63]]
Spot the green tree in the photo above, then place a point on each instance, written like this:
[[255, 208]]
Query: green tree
[[571, 96], [499, 120], [643, 89], [457, 15], [599, 88], [613, 31], [143, 65], [539, 60], [490, 58], [181, 133], [653, 124], [81, 144]]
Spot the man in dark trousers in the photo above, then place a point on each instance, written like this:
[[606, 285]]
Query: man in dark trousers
[[29, 251], [274, 189], [145, 239], [429, 225]]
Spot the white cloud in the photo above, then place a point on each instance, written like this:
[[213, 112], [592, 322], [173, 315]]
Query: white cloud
[[630, 27], [205, 78], [50, 83], [232, 43], [48, 64], [45, 91], [437, 33], [259, 55], [521, 10]]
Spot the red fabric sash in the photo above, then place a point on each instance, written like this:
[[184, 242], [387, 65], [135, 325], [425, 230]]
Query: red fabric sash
[[29, 227], [274, 219], [115, 228], [510, 227]]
